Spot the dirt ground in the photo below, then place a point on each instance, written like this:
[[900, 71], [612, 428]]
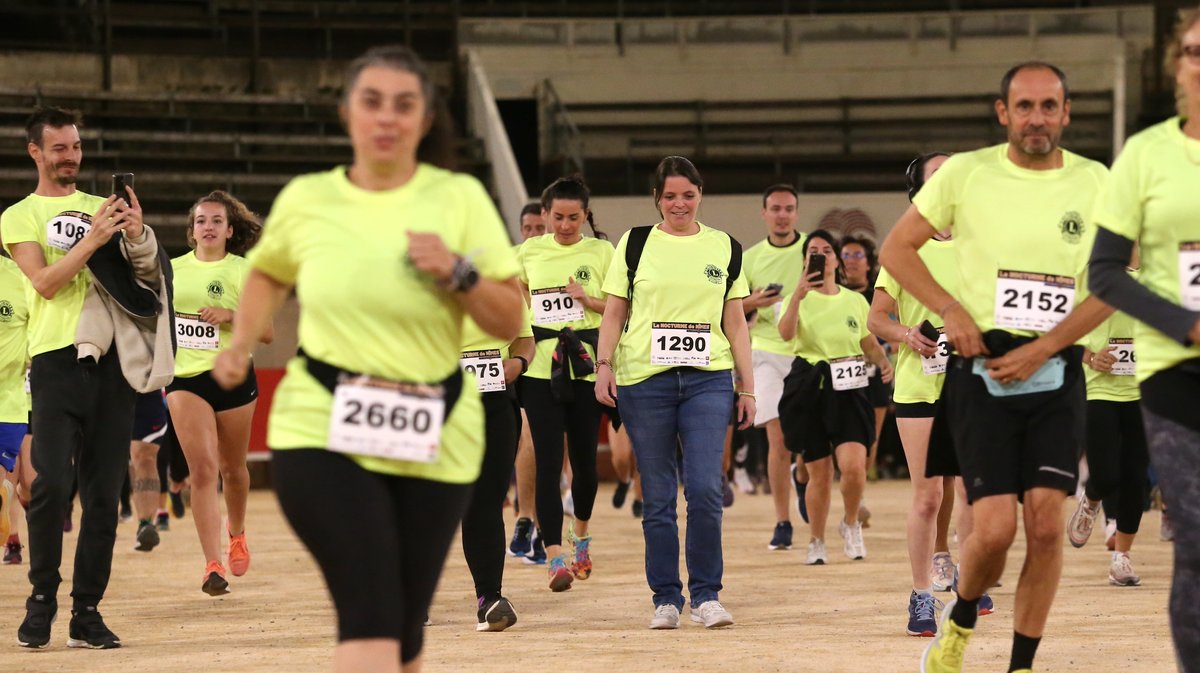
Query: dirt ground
[[843, 617]]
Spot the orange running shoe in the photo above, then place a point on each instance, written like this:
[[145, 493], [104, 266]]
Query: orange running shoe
[[214, 579], [239, 554]]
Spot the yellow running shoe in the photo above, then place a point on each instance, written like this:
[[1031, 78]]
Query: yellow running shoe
[[945, 653]]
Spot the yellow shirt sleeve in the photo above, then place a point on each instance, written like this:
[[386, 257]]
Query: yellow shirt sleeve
[[616, 280], [1118, 206], [274, 254], [486, 239], [938, 199], [17, 229]]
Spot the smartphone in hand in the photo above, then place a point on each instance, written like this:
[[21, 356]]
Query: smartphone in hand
[[816, 265], [774, 288], [928, 331], [120, 186]]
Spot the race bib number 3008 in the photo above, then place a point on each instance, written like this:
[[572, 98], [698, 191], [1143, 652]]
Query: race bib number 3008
[[192, 332], [1033, 301], [680, 343], [67, 229], [554, 305], [387, 420], [1189, 275]]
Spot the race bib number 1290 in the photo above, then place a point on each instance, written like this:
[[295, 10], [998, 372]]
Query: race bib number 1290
[[680, 343]]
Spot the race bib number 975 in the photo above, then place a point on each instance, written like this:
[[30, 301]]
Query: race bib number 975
[[1189, 275], [1033, 301], [383, 419], [487, 368], [554, 305], [67, 229], [680, 343], [192, 332]]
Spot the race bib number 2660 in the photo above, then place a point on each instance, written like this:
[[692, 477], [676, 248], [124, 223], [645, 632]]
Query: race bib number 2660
[[387, 420]]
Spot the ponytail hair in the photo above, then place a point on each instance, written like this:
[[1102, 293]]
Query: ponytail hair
[[572, 188]]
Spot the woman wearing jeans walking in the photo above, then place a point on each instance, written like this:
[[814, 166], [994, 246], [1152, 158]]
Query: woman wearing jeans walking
[[673, 329]]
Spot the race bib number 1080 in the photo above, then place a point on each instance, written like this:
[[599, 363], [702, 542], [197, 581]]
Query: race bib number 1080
[[67, 229]]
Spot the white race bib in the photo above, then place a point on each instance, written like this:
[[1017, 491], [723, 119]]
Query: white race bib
[[680, 343], [937, 363], [487, 367], [1126, 363], [1033, 301], [382, 419], [67, 229], [849, 373], [1189, 275], [192, 332], [554, 305]]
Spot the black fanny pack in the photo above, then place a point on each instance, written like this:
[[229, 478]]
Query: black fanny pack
[[329, 375]]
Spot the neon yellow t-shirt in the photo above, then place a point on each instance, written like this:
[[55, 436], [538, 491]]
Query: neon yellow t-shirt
[[1118, 330], [475, 339], [831, 326], [56, 223], [764, 264], [1151, 198], [205, 285], [1021, 237], [14, 315], [912, 383], [364, 308], [545, 267], [681, 280]]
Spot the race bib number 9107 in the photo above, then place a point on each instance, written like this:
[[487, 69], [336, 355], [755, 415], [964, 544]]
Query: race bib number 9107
[[487, 368], [680, 343], [1033, 301], [383, 419], [1189, 275], [67, 229]]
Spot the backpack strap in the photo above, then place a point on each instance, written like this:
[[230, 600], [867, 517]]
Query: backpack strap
[[635, 245], [734, 271]]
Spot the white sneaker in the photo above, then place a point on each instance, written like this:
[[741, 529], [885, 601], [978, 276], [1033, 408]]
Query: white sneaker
[[941, 573], [852, 540], [666, 616], [1079, 528], [712, 614], [816, 553], [1120, 571], [741, 478]]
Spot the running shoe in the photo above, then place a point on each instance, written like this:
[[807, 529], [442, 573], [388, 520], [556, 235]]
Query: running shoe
[[495, 615], [581, 565], [560, 576], [1120, 571], [636, 508], [852, 540], [620, 493], [176, 503], [6, 496], [781, 540], [87, 630], [712, 615], [522, 538], [741, 479], [1110, 534], [726, 492], [986, 605], [945, 653], [12, 552], [666, 616], [537, 552], [941, 573], [1166, 532], [569, 504], [214, 579], [1079, 528], [39, 615], [922, 614], [147, 536], [239, 554], [801, 490], [816, 553], [163, 520]]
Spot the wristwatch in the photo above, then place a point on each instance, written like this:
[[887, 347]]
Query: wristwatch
[[464, 276]]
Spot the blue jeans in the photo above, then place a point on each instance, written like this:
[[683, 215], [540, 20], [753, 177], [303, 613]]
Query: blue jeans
[[694, 406]]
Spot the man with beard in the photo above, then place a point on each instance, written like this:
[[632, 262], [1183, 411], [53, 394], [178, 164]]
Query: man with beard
[[1021, 217], [82, 410]]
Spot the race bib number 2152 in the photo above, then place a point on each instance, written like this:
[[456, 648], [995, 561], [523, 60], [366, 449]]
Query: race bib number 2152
[[1033, 301]]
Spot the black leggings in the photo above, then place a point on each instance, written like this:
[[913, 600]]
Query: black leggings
[[483, 525], [380, 540], [1117, 459], [548, 420]]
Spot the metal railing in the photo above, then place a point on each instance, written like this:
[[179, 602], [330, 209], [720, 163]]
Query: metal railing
[[486, 123], [561, 140]]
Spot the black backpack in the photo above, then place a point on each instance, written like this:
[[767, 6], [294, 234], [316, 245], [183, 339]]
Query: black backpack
[[637, 244]]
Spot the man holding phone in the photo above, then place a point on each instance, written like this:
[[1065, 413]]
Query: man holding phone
[[82, 413], [770, 266]]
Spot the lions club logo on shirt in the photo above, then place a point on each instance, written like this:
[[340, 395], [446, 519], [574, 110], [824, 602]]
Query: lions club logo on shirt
[[714, 274], [1071, 226], [6, 311], [216, 289], [852, 323], [584, 275]]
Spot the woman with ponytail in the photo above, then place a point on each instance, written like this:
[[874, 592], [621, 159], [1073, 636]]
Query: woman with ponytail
[[562, 272]]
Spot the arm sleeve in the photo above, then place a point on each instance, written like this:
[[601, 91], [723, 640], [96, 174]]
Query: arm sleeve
[[1109, 281]]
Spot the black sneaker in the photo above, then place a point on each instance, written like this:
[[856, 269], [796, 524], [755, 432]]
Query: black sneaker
[[12, 553], [88, 630], [636, 508], [176, 504], [496, 615], [521, 540], [782, 538], [147, 536], [39, 615], [163, 521], [620, 493]]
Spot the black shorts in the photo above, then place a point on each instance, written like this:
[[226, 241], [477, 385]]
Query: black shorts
[[205, 387], [150, 417], [915, 409], [850, 419], [1008, 445], [878, 392]]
